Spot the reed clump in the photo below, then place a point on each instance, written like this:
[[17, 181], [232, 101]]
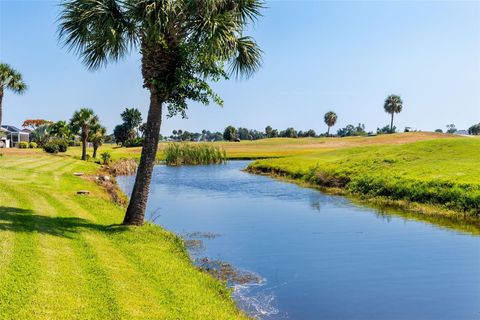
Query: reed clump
[[177, 154], [124, 167]]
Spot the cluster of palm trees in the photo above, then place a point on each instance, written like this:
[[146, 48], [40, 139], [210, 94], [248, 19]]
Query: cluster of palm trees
[[393, 104], [86, 124]]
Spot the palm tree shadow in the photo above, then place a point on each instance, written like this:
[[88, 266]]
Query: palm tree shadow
[[28, 221]]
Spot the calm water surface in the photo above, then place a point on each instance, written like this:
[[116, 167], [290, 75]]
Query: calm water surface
[[321, 256]]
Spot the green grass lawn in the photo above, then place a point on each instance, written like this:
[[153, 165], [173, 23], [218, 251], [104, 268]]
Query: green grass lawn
[[60, 258], [275, 148], [443, 172]]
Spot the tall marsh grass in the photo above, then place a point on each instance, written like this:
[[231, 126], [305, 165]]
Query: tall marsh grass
[[177, 154], [124, 167]]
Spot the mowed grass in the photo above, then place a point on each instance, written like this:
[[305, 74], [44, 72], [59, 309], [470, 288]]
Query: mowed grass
[[273, 148], [61, 257], [443, 172]]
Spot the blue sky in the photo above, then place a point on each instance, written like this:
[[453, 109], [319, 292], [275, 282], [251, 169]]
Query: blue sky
[[319, 56]]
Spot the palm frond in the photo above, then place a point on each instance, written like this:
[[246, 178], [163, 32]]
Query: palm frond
[[248, 58], [11, 79], [97, 30]]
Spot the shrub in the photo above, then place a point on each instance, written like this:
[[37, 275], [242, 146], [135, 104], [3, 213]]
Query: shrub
[[106, 157], [23, 145], [177, 154], [51, 147], [136, 142], [62, 144], [33, 145], [56, 145]]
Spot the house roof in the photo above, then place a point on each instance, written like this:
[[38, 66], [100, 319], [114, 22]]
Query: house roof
[[10, 129]]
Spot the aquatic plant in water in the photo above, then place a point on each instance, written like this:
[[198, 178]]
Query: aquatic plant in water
[[177, 154]]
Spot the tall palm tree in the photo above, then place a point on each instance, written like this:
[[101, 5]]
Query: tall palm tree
[[81, 123], [97, 137], [12, 80], [330, 119], [393, 104], [184, 44]]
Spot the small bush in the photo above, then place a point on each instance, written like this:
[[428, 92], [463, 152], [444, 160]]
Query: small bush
[[51, 147], [177, 154], [62, 145], [56, 146], [136, 142], [33, 145], [23, 145], [106, 156]]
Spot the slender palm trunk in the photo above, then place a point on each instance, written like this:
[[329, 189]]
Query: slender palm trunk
[[328, 131], [1, 107], [138, 201], [391, 124], [84, 148], [95, 148]]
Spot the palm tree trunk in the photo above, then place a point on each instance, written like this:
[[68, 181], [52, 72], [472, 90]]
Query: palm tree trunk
[[1, 108], [391, 124], [328, 131], [138, 201], [84, 148], [95, 147]]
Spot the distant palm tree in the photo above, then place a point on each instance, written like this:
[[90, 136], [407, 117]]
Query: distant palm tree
[[60, 129], [184, 45], [97, 137], [12, 80], [393, 104], [330, 119], [81, 123]]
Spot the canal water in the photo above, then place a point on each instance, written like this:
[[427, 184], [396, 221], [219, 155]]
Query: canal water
[[318, 256]]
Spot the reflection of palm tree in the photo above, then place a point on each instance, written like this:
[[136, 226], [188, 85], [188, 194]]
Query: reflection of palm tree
[[315, 202]]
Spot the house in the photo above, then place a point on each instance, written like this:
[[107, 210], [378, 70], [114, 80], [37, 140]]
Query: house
[[4, 142], [13, 136]]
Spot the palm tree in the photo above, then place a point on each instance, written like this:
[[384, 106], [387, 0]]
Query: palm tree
[[97, 137], [393, 104], [81, 123], [60, 129], [330, 119], [184, 45], [12, 80]]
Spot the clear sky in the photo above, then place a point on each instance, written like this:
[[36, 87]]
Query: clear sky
[[319, 56]]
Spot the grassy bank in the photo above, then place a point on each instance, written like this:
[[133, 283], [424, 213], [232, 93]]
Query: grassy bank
[[275, 148], [441, 172], [60, 258]]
